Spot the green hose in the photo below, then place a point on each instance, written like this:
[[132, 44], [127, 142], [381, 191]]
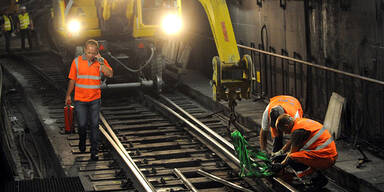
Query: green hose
[[253, 163]]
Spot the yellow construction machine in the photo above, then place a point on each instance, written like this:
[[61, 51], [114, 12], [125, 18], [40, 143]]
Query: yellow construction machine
[[146, 21], [78, 20]]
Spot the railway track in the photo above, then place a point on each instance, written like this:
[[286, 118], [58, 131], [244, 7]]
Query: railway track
[[150, 132]]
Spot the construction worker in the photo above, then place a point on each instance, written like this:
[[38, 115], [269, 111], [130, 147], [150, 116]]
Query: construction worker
[[312, 149], [85, 77], [7, 27], [278, 105], [25, 27]]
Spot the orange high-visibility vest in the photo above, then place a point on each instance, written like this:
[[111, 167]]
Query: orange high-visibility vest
[[320, 143], [290, 105], [87, 78]]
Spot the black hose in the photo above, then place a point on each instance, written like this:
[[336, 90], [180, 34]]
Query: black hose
[[264, 45], [134, 70]]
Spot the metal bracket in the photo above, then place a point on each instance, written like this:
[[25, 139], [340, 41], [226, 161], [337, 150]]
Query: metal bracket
[[283, 4], [345, 5], [68, 7], [259, 3], [311, 4]]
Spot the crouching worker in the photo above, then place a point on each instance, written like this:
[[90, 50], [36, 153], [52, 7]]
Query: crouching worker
[[312, 149], [278, 105]]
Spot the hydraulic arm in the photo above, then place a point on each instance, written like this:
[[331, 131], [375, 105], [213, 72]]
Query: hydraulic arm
[[232, 76]]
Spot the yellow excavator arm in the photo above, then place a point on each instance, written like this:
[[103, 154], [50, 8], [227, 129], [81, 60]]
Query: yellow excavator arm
[[232, 76]]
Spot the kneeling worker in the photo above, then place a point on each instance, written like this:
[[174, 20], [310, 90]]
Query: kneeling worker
[[278, 105], [312, 148], [85, 78]]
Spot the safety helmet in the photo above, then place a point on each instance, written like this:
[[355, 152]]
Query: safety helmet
[[23, 7]]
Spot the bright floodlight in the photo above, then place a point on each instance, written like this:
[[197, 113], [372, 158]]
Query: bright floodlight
[[171, 24], [74, 26]]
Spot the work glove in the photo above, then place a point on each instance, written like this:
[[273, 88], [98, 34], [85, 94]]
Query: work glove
[[278, 153]]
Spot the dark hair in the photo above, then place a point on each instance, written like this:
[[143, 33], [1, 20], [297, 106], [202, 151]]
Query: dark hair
[[283, 122], [275, 113], [91, 42]]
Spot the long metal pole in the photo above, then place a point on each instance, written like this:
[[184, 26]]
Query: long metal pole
[[222, 181], [216, 136], [314, 65], [142, 183], [185, 180]]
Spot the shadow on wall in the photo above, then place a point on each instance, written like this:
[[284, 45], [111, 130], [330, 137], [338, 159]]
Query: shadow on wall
[[199, 36]]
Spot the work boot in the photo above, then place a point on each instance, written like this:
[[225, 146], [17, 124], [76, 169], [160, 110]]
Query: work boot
[[94, 157], [315, 182], [82, 145]]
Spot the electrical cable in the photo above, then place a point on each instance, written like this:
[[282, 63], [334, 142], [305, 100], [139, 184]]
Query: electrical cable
[[23, 149], [32, 159], [40, 157], [134, 70]]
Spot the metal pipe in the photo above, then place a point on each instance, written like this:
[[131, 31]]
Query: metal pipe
[[222, 181], [314, 65], [69, 6], [185, 180], [216, 136], [285, 184], [116, 140], [144, 83], [141, 181]]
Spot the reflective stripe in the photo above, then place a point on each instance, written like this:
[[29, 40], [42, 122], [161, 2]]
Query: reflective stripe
[[324, 144], [93, 77], [24, 21], [88, 77], [313, 139], [88, 86], [7, 23], [77, 66], [296, 115]]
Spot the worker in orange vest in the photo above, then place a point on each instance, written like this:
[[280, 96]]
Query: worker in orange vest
[[85, 78], [278, 105], [312, 149]]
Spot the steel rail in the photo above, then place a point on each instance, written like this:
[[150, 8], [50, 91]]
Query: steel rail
[[213, 134], [222, 140], [206, 139], [314, 65], [184, 180], [222, 181], [203, 134], [137, 177]]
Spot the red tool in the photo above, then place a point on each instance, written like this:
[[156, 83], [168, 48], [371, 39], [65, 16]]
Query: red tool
[[68, 117]]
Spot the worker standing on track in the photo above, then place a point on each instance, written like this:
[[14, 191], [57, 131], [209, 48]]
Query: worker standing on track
[[278, 105], [25, 27], [85, 78], [312, 149], [7, 28]]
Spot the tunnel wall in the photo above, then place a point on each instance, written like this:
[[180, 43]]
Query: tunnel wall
[[342, 34]]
